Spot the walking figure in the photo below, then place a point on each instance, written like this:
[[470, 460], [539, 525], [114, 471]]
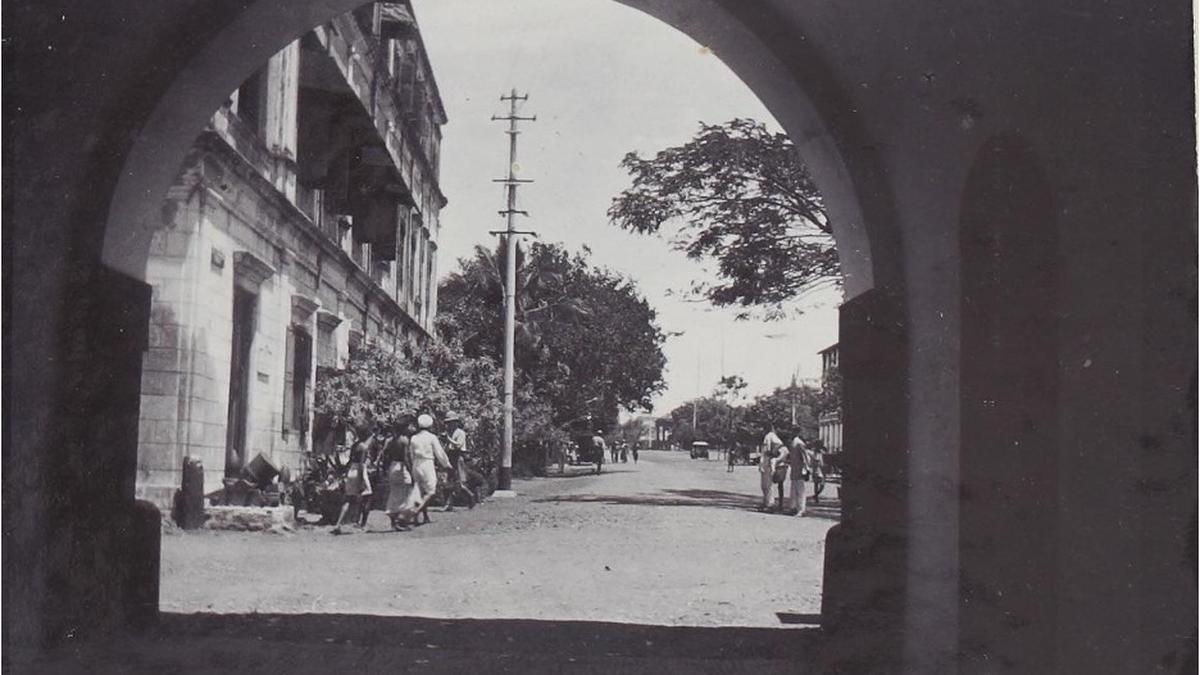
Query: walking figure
[[398, 460], [427, 454], [357, 487]]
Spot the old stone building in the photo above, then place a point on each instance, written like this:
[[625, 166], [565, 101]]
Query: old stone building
[[304, 219], [829, 423], [1013, 192]]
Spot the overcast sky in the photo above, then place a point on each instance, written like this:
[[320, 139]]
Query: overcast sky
[[603, 79]]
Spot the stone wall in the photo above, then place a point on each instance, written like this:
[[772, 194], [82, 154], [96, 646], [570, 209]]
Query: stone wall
[[219, 209]]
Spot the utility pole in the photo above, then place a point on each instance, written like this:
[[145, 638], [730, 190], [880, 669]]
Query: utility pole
[[504, 481]]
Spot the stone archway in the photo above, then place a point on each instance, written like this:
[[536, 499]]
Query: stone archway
[[733, 34], [140, 157]]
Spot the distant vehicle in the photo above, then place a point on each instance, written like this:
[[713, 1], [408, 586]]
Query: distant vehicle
[[699, 450]]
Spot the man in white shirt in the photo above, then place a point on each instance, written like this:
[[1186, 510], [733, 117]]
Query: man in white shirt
[[598, 446], [799, 458], [773, 452]]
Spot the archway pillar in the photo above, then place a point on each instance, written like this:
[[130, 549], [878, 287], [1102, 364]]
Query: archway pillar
[[866, 554], [101, 564]]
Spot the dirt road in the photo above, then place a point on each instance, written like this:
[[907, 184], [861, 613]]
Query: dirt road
[[669, 541]]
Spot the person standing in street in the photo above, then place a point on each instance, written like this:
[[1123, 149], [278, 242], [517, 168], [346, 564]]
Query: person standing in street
[[598, 447], [816, 463], [773, 451], [801, 472], [633, 450], [456, 451], [730, 456]]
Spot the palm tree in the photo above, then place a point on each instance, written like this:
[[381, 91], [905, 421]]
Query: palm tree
[[542, 296]]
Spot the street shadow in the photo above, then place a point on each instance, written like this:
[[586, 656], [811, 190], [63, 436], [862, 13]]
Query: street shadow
[[798, 619], [328, 642], [719, 499], [582, 471], [828, 508]]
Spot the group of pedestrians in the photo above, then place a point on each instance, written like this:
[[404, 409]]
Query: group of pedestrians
[[795, 464], [621, 451], [410, 454]]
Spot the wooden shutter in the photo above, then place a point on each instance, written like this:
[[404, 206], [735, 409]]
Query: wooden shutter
[[289, 362], [301, 379]]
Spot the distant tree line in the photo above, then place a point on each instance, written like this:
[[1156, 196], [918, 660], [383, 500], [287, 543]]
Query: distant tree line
[[722, 422]]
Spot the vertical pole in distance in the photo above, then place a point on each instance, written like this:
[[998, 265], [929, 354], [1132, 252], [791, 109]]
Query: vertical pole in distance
[[504, 479]]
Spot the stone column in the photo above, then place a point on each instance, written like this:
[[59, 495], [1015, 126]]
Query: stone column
[[96, 559], [865, 555]]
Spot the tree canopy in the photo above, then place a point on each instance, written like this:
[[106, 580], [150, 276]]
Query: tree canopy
[[589, 343], [740, 195], [380, 386], [722, 423]]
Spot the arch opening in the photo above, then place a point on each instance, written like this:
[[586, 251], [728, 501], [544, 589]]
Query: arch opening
[[137, 223]]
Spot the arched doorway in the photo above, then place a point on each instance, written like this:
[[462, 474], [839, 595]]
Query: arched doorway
[[242, 40]]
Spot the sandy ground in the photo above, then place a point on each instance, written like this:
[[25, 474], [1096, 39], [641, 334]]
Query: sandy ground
[[662, 567], [669, 541]]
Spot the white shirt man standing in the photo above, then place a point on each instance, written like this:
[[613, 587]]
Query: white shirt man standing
[[773, 451], [800, 461]]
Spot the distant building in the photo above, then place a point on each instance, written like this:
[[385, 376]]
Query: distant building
[[664, 428], [829, 424], [303, 220]]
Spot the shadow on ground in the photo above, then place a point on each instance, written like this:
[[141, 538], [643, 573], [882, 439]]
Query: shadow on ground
[[580, 471], [718, 499], [327, 642]]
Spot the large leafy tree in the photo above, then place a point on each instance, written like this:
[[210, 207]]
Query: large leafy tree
[[715, 422], [777, 408], [588, 343], [379, 386], [470, 296], [739, 195]]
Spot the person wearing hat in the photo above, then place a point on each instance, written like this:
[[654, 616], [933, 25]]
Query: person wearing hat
[[427, 454]]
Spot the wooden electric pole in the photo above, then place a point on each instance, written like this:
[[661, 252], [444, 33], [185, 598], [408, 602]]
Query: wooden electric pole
[[504, 480]]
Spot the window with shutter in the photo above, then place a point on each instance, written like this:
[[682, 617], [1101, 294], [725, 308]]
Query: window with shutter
[[289, 402], [301, 379]]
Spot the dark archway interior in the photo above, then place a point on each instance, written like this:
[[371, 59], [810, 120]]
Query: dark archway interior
[[1080, 557], [1008, 463]]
